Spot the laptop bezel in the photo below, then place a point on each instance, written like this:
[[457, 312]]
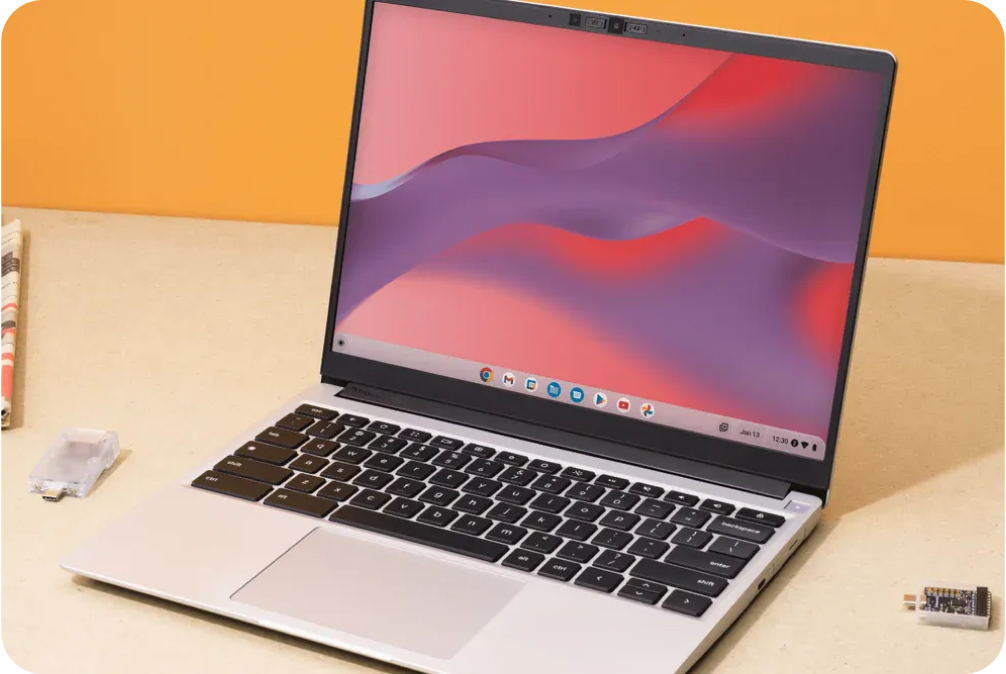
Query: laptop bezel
[[804, 473]]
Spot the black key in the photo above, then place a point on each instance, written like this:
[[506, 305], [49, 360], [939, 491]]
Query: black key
[[693, 538], [516, 495], [599, 579], [689, 517], [550, 503], [442, 442], [512, 459], [619, 520], [523, 560], [734, 548], [629, 591], [747, 531], [373, 479], [681, 499], [473, 504], [484, 468], [385, 463], [341, 471], [646, 490], [418, 452], [609, 538], [449, 478], [687, 603], [545, 466], [356, 437], [265, 453], [282, 438], [482, 486], [410, 530], [615, 561], [655, 509], [582, 491], [541, 521], [352, 454], [479, 450], [452, 460], [676, 576], [317, 412], [319, 447], [368, 498], [543, 543], [439, 496], [470, 524], [551, 484], [253, 470], [338, 491], [710, 562], [655, 529], [231, 486], [577, 552], [620, 500], [506, 513], [645, 547], [578, 531], [559, 570], [612, 482], [308, 464], [437, 516], [295, 422], [325, 429], [517, 475], [387, 444], [758, 517], [414, 435], [403, 486], [578, 474], [506, 533], [416, 470], [353, 420], [305, 483], [587, 512], [403, 507], [300, 503], [718, 507], [384, 427]]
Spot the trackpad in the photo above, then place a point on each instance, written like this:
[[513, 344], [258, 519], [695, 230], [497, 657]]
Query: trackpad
[[382, 593]]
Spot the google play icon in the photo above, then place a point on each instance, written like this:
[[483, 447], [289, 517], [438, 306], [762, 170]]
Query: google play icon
[[600, 400]]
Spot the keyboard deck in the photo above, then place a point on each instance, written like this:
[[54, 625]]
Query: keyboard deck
[[601, 532]]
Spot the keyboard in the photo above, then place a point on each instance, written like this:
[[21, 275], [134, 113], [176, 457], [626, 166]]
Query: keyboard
[[638, 541]]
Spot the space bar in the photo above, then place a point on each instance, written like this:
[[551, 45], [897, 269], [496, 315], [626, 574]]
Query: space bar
[[419, 533]]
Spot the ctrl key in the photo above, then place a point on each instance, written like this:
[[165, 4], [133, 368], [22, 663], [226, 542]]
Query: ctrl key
[[249, 490], [687, 603], [559, 570]]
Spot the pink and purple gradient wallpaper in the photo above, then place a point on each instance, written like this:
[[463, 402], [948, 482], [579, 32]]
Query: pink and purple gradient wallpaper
[[673, 223]]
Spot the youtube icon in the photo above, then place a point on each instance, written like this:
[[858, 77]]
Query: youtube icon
[[624, 405]]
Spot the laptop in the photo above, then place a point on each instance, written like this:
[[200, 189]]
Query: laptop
[[590, 324]]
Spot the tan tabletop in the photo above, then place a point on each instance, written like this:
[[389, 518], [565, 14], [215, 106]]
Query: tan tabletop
[[179, 333]]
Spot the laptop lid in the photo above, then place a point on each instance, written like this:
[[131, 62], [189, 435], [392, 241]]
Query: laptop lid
[[648, 233]]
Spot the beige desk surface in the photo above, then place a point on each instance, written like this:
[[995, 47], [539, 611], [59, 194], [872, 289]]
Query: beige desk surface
[[155, 327]]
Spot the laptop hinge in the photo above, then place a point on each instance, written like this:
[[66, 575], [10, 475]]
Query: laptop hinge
[[574, 442]]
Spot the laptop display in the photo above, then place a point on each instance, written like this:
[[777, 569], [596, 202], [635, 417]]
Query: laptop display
[[644, 229]]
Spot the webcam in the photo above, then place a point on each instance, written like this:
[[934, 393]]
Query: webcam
[[615, 25]]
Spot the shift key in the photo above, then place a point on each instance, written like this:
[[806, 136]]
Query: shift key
[[253, 470]]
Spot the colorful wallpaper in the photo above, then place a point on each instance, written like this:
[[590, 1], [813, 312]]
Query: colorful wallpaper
[[673, 223]]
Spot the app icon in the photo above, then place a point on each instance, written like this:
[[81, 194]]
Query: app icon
[[600, 400], [624, 405], [486, 375], [531, 383], [554, 390], [576, 394], [724, 427], [647, 410], [509, 380]]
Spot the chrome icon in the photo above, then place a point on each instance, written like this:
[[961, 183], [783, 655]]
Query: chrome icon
[[486, 375]]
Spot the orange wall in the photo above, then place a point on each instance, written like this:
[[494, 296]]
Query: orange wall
[[230, 109]]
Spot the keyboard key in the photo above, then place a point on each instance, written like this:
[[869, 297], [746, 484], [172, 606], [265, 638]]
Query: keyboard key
[[337, 491], [629, 591], [687, 603], [681, 499], [612, 482], [693, 538], [543, 543], [418, 452], [295, 422], [516, 475], [403, 486], [300, 503], [550, 503], [325, 429], [253, 470], [319, 447], [615, 561], [442, 442], [541, 521], [620, 500], [373, 479], [655, 529], [452, 460], [317, 412], [577, 552], [619, 520], [609, 538], [512, 459], [676, 576], [437, 516], [718, 507], [559, 570], [478, 450], [484, 468], [368, 498], [231, 486], [507, 513], [413, 435], [506, 533], [758, 517], [470, 524], [578, 474], [689, 517], [265, 453], [449, 478], [647, 490], [586, 512], [356, 437], [599, 579], [578, 531], [551, 484], [409, 530], [352, 454], [308, 464], [709, 562], [387, 444], [385, 463], [403, 507], [306, 484], [544, 466], [439, 496], [734, 548], [655, 509], [582, 491], [516, 495], [416, 470], [353, 420], [384, 427], [341, 471], [747, 531], [473, 504], [282, 438], [645, 547], [523, 560], [482, 486]]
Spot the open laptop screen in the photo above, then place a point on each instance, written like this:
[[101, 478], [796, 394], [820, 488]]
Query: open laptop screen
[[630, 226]]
